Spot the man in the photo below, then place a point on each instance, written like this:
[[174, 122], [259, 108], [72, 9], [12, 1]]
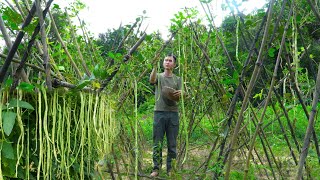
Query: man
[[166, 117]]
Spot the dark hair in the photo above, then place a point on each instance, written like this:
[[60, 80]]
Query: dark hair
[[174, 57]]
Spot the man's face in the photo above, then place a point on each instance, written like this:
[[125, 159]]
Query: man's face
[[168, 62]]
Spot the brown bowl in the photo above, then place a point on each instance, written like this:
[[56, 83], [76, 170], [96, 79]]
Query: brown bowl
[[168, 93]]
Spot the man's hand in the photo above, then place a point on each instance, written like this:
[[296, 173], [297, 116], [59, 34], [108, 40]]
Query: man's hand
[[176, 95]]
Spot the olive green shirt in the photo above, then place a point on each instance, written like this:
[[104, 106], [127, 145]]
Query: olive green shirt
[[162, 102]]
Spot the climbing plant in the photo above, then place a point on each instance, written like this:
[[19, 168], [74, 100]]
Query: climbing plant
[[75, 106]]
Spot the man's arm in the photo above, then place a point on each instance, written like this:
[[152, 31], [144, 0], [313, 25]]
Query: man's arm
[[153, 75]]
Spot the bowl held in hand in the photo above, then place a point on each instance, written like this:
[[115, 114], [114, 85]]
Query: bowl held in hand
[[169, 93]]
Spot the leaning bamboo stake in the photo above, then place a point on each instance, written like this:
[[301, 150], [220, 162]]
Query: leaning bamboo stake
[[37, 41], [239, 91], [55, 30], [264, 142], [46, 62], [280, 16], [304, 107], [255, 74], [9, 45], [288, 121], [125, 59], [218, 36], [88, 42], [310, 128], [16, 43], [284, 134], [268, 96], [83, 63], [314, 9], [38, 44], [27, 51], [215, 76], [267, 145], [116, 162]]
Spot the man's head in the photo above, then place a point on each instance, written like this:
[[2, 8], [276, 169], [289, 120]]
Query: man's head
[[169, 61]]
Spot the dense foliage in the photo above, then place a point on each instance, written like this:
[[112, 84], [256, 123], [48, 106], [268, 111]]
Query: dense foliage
[[86, 113]]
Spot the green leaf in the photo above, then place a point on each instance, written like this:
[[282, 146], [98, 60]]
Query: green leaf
[[248, 23], [229, 81], [56, 6], [8, 82], [7, 150], [9, 168], [271, 52], [56, 54], [8, 120], [96, 70], [311, 56], [111, 55], [298, 18], [118, 55], [83, 84], [61, 68], [235, 75], [22, 104], [148, 38], [26, 87]]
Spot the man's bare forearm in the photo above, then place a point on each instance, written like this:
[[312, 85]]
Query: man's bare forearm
[[153, 76]]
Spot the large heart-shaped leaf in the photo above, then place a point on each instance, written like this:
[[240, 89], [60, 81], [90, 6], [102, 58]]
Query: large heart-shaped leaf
[[7, 150], [8, 120], [22, 104]]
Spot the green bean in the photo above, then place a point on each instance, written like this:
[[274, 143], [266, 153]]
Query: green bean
[[21, 136], [40, 135]]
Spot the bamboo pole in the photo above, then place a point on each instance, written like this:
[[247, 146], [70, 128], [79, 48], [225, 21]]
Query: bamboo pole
[[83, 63], [125, 59], [218, 36], [239, 91], [46, 62], [27, 51], [19, 7], [16, 43], [9, 45], [314, 9], [254, 76], [214, 72], [55, 30], [310, 127], [284, 134], [88, 43], [304, 107], [267, 145], [37, 41], [269, 94]]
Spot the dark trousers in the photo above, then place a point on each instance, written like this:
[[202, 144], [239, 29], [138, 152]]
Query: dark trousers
[[165, 122]]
